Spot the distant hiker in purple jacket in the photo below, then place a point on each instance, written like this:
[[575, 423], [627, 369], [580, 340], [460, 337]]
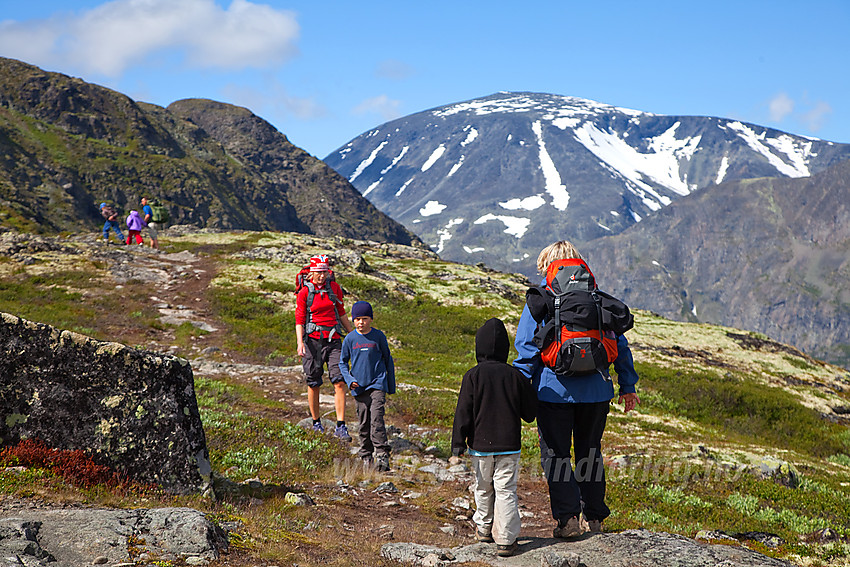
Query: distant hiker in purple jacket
[[135, 224]]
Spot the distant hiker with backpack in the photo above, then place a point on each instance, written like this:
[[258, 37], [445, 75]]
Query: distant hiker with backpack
[[568, 335], [319, 322], [153, 226], [110, 217]]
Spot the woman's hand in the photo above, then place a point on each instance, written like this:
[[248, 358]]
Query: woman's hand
[[630, 401]]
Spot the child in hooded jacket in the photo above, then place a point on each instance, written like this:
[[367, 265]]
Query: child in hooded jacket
[[135, 224], [493, 397]]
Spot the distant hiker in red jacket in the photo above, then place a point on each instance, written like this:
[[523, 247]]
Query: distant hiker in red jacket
[[319, 322]]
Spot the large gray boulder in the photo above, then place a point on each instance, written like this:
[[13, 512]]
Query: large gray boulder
[[134, 411]]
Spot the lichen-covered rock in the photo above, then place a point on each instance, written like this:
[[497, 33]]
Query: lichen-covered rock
[[132, 410], [72, 536]]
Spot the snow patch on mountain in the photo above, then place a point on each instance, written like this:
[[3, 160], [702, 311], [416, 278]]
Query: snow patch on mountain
[[445, 234], [785, 144], [558, 107], [528, 203], [470, 137], [367, 162], [395, 160], [661, 166], [432, 208], [372, 187], [469, 250], [558, 192], [721, 173], [435, 155], [515, 226], [403, 187], [456, 166]]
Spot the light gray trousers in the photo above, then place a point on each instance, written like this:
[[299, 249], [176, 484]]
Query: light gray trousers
[[496, 502]]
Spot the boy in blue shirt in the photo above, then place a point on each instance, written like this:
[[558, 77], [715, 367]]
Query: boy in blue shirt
[[370, 378]]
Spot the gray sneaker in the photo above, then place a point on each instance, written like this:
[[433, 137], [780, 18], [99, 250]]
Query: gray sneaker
[[594, 526], [568, 529], [318, 427], [341, 433], [483, 537]]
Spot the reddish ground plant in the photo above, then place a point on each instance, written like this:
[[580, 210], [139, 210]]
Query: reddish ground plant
[[75, 466]]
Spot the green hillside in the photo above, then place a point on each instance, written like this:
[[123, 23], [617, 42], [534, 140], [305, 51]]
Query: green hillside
[[735, 433]]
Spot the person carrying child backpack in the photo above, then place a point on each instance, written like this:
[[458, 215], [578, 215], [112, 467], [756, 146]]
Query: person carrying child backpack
[[568, 363], [493, 397], [370, 378], [319, 321]]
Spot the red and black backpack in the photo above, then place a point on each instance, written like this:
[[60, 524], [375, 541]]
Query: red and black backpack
[[577, 323]]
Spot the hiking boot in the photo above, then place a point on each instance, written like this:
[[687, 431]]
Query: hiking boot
[[594, 526], [382, 463], [483, 537], [318, 427], [341, 433], [506, 550], [568, 529]]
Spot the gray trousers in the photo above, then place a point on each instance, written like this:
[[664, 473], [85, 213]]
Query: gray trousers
[[496, 502], [370, 416]]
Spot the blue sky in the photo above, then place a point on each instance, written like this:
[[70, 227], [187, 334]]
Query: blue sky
[[323, 72]]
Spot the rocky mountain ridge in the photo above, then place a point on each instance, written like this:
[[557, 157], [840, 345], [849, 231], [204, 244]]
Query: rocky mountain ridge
[[66, 145], [770, 255]]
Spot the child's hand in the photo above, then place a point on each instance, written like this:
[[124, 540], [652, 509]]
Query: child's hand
[[630, 401], [354, 385], [455, 460]]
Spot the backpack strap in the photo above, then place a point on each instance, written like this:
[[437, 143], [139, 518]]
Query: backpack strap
[[309, 326]]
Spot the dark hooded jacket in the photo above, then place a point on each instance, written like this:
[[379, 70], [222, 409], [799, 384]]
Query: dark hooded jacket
[[493, 397]]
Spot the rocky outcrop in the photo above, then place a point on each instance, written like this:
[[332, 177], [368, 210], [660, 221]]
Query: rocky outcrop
[[132, 410], [67, 537], [631, 548]]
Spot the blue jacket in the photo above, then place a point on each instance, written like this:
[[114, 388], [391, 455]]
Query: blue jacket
[[372, 365], [562, 389]]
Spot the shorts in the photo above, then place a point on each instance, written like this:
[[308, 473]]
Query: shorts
[[317, 353], [152, 230]]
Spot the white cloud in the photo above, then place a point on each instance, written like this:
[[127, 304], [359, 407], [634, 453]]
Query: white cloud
[[382, 105], [393, 69], [815, 118], [115, 35], [274, 99], [780, 106]]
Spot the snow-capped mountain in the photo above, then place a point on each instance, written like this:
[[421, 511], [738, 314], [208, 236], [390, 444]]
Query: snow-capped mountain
[[497, 178]]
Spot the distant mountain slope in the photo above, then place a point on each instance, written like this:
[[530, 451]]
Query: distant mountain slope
[[769, 255], [66, 145], [495, 179]]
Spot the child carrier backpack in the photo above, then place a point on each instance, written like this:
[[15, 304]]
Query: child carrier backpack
[[577, 323], [302, 279], [159, 213]]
